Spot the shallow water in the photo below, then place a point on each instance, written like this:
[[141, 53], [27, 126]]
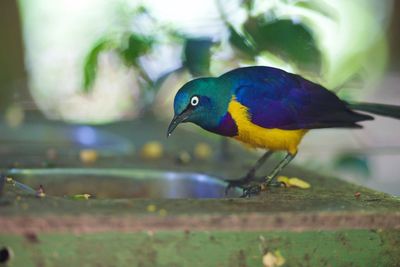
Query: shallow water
[[122, 183]]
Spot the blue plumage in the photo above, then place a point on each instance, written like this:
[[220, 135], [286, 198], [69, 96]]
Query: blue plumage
[[277, 99]]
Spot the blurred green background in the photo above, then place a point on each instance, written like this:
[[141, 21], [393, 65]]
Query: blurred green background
[[99, 61]]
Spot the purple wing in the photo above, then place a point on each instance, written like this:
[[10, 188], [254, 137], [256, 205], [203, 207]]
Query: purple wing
[[277, 99]]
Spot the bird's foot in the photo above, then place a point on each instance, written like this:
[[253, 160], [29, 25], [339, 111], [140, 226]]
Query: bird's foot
[[252, 190], [242, 182], [255, 189]]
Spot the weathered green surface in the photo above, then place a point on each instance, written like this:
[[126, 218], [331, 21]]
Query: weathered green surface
[[325, 225], [185, 248]]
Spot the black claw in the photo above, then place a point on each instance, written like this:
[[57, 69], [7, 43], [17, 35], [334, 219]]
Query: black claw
[[251, 191], [241, 183]]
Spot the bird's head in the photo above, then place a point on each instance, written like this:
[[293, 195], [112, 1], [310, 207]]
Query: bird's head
[[199, 101]]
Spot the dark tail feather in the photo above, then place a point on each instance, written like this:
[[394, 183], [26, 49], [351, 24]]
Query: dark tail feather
[[378, 109]]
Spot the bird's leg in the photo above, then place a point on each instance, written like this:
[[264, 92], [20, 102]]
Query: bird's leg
[[288, 158], [255, 189], [250, 174]]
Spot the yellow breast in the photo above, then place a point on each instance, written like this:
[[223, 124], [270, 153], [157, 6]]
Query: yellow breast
[[259, 137]]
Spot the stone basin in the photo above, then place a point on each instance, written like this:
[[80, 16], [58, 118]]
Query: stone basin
[[109, 183]]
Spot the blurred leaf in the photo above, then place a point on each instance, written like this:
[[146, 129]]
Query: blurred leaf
[[90, 63], [130, 49], [197, 56], [355, 163], [241, 43], [141, 9], [286, 39], [135, 47], [248, 4]]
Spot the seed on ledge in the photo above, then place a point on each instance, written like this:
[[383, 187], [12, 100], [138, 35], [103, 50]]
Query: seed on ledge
[[202, 151], [88, 156], [184, 157], [152, 150], [151, 208]]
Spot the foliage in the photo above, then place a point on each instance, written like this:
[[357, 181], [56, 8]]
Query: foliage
[[197, 55], [90, 63], [290, 41], [136, 46], [282, 31], [130, 47]]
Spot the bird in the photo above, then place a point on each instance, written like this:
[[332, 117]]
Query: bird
[[267, 108]]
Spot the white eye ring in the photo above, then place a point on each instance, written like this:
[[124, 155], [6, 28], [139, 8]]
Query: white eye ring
[[194, 101]]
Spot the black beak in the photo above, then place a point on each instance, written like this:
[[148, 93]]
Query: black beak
[[178, 119]]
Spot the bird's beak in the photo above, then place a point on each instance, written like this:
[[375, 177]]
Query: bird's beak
[[178, 119]]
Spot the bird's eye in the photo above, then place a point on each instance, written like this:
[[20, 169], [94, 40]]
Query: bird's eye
[[194, 101]]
